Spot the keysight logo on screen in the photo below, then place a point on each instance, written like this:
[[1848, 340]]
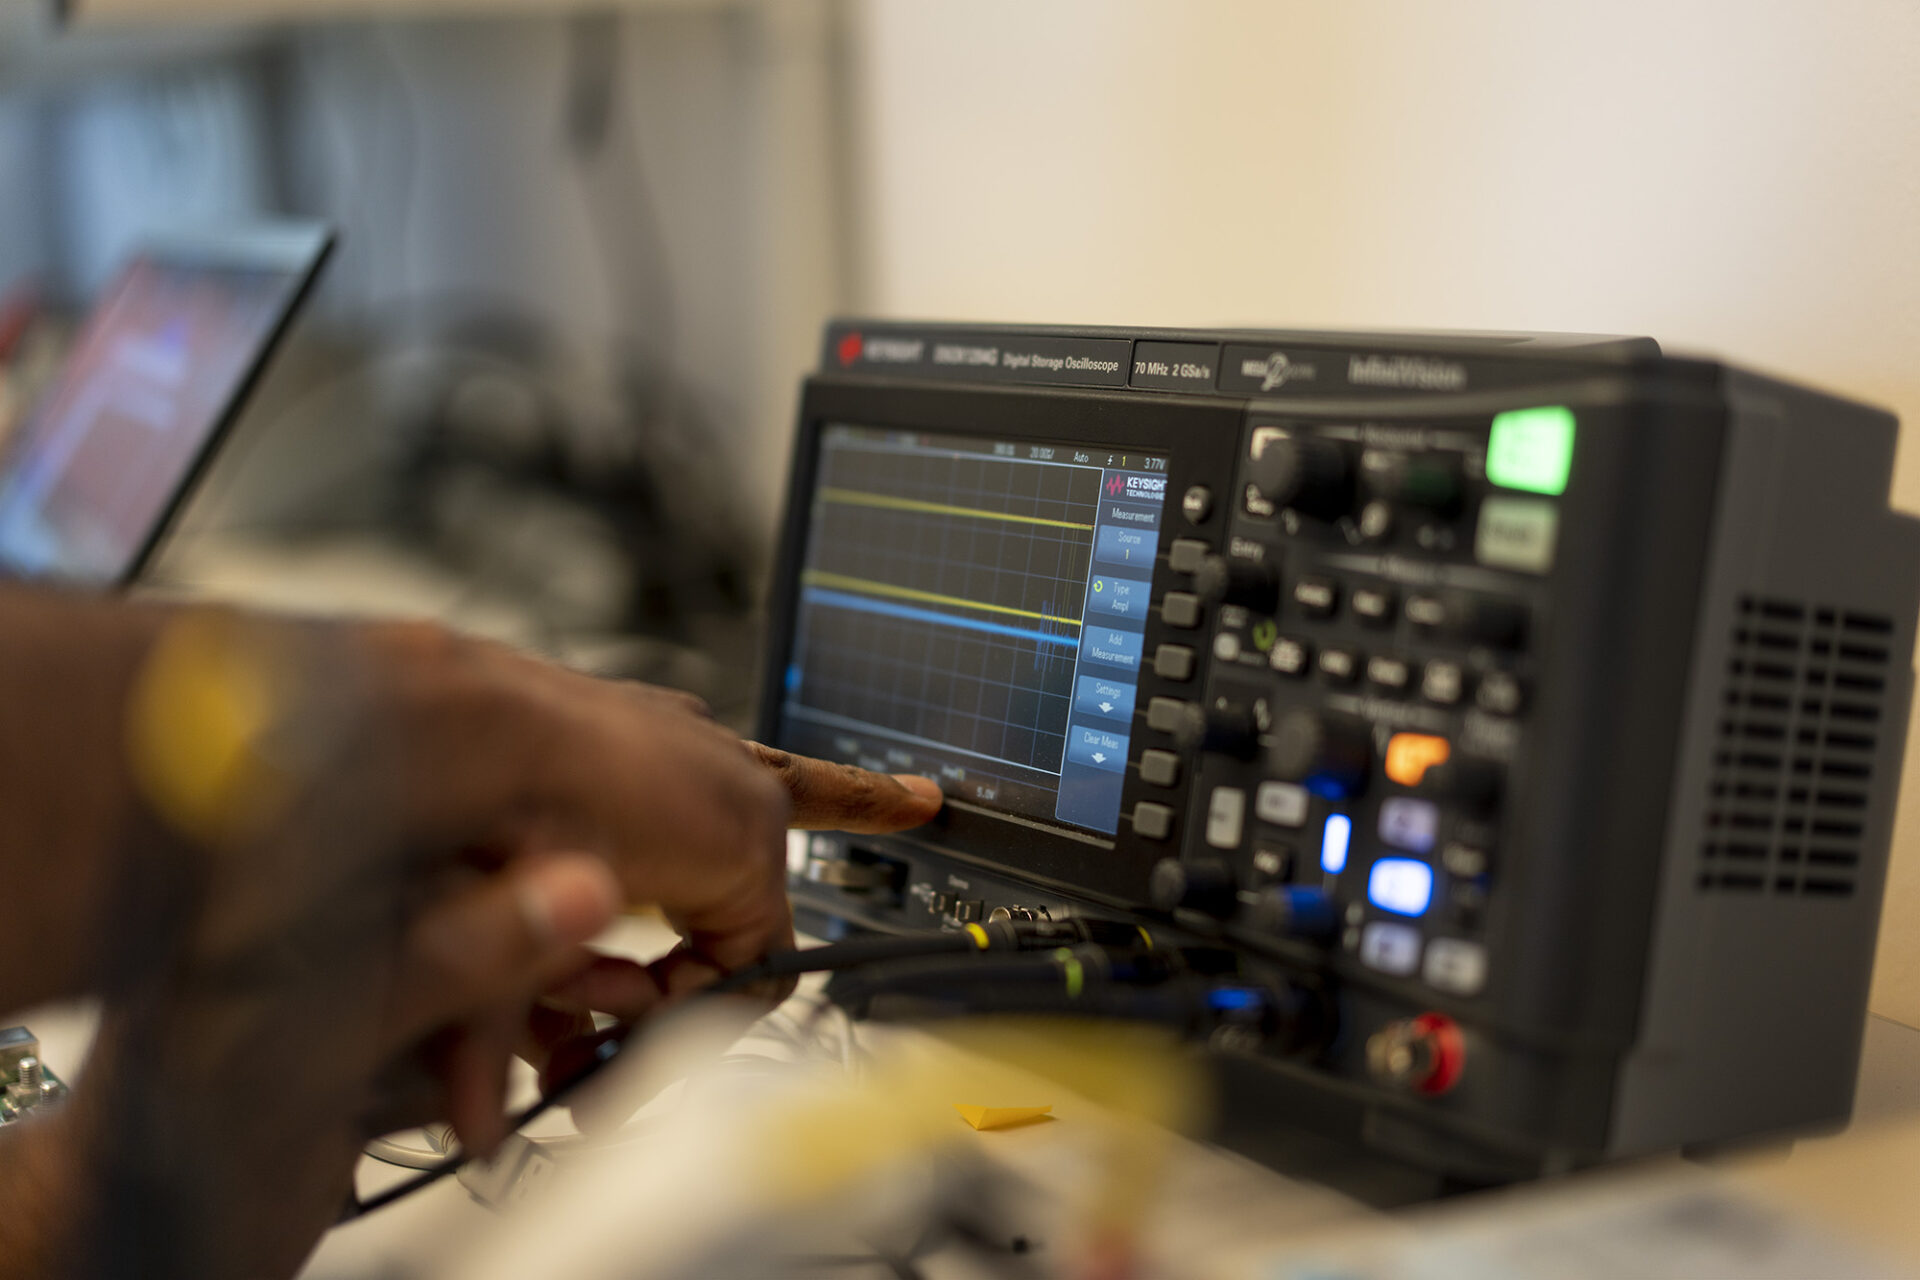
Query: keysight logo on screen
[[1145, 488]]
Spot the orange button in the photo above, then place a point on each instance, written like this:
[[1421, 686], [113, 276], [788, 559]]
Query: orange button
[[1410, 755]]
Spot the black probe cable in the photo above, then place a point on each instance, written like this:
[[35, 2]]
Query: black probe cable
[[975, 938]]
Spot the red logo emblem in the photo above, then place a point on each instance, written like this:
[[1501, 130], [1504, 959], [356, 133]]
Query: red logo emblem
[[850, 348]]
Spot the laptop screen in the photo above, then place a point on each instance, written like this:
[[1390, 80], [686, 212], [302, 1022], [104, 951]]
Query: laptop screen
[[156, 373]]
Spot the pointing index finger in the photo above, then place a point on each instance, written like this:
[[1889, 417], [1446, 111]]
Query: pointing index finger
[[842, 797]]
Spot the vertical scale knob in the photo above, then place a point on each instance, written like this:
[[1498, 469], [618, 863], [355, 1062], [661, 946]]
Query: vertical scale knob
[[1308, 474], [1328, 752]]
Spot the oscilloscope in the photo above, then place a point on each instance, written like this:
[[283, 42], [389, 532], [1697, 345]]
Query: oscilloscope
[[1540, 700]]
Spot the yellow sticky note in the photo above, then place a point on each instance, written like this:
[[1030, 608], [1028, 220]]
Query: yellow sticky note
[[999, 1117]]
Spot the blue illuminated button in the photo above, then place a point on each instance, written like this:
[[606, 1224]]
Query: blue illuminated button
[[1118, 597], [1113, 699], [1401, 885], [1116, 545], [1115, 648], [1390, 948], [1334, 839], [1097, 748], [1410, 824]]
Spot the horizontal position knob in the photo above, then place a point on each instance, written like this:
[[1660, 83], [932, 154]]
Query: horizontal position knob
[[1206, 885], [1328, 752], [1252, 584], [1308, 474]]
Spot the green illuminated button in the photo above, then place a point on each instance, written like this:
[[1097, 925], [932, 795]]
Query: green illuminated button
[[1532, 449]]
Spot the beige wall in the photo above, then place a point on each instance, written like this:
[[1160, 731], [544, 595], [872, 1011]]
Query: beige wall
[[1741, 178]]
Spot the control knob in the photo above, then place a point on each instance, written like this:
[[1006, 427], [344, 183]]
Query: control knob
[[1328, 752], [1308, 474], [1206, 885], [1297, 911], [1252, 584], [1469, 783], [1227, 727]]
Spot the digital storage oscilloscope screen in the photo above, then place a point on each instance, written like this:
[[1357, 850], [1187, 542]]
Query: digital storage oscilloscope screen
[[974, 609]]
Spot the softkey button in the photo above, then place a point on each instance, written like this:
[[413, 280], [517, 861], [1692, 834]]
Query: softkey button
[[1373, 605], [1197, 505], [1428, 613], [1465, 861], [1317, 597], [1339, 666], [1455, 966], [1159, 768], [1181, 609], [1152, 821], [1501, 694], [1442, 683], [1282, 804], [1171, 715], [1406, 823], [1390, 674], [1226, 817], [1390, 948], [1187, 554], [1289, 657], [1173, 662]]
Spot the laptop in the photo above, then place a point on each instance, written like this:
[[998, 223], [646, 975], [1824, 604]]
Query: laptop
[[106, 458]]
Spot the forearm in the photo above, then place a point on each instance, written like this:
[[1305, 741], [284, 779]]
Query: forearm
[[69, 822], [38, 1230]]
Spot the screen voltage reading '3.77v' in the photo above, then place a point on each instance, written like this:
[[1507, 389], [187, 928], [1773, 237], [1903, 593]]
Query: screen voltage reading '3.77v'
[[973, 609]]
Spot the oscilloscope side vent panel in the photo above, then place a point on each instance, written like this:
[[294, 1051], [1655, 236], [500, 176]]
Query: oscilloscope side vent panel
[[1756, 994], [1798, 738]]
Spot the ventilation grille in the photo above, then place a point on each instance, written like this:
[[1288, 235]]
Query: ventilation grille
[[1793, 761]]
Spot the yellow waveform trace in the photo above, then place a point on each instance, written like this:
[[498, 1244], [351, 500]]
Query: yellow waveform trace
[[866, 586], [887, 502]]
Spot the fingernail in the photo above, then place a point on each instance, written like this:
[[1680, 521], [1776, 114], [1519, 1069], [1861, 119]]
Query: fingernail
[[570, 900], [924, 787]]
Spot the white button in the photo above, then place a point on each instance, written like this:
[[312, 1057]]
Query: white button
[[1406, 823], [1226, 646], [1390, 948], [1456, 966], [1282, 803], [1226, 816], [798, 848], [1517, 533]]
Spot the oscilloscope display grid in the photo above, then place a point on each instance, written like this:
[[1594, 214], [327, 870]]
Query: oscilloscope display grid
[[916, 655]]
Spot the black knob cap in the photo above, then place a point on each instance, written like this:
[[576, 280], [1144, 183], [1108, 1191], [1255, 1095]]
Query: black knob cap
[[1297, 911], [1432, 482], [1228, 727], [1328, 752], [1487, 620], [1310, 475], [1206, 885], [1229, 580], [1470, 783]]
